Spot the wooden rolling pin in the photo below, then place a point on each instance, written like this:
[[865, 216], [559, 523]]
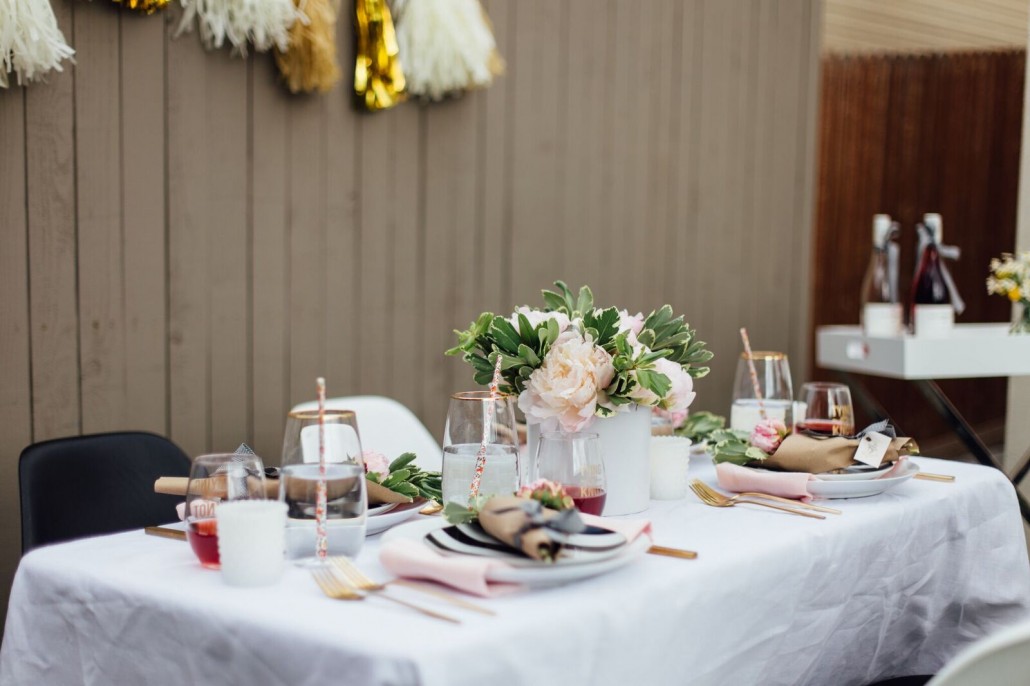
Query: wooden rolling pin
[[214, 487]]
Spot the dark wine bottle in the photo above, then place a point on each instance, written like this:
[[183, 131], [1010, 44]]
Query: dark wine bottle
[[881, 311], [932, 311]]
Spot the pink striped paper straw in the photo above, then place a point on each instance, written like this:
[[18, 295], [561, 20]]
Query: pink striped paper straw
[[754, 374], [488, 421], [321, 541]]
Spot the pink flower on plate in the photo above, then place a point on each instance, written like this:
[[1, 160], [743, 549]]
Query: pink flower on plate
[[376, 462], [768, 434], [569, 384]]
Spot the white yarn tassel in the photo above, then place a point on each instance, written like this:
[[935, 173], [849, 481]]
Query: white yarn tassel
[[31, 43], [445, 46], [265, 23]]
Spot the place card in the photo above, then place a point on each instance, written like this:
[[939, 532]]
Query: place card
[[872, 448]]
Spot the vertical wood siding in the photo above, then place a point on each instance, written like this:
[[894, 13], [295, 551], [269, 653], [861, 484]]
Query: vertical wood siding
[[185, 246]]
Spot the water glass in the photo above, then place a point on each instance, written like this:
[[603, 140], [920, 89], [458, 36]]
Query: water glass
[[479, 421], [827, 409], [574, 461], [773, 371], [215, 480], [346, 507]]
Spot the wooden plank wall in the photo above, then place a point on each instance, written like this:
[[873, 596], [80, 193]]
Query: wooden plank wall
[[907, 135], [185, 247]]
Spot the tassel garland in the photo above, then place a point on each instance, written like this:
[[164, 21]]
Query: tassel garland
[[378, 78], [31, 42], [446, 46], [144, 6], [309, 63], [265, 23]]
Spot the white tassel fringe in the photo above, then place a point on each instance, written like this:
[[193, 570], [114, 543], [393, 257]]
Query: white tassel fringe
[[31, 43], [445, 46], [265, 23]]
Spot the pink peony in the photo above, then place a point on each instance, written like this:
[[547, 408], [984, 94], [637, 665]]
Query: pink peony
[[537, 316], [569, 384], [376, 462], [679, 397], [633, 323], [768, 434]]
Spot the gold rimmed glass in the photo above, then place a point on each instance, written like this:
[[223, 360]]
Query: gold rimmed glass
[[773, 373], [346, 506], [471, 415]]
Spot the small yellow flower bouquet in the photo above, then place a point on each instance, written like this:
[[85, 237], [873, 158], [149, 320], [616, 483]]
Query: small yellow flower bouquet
[[1010, 276]]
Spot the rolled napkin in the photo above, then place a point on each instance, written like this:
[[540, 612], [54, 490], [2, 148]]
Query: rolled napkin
[[526, 525], [805, 453], [739, 479], [215, 488]]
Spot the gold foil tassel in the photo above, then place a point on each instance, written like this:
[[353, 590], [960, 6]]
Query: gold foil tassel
[[378, 78], [144, 6], [309, 63]]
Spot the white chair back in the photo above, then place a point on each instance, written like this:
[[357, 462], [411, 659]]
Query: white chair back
[[388, 427], [1001, 659]]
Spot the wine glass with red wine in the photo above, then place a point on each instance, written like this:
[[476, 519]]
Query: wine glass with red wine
[[216, 479], [574, 461], [828, 409]]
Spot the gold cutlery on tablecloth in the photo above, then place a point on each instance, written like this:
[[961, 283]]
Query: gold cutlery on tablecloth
[[927, 476], [333, 587], [672, 552], [711, 497], [353, 576], [165, 532]]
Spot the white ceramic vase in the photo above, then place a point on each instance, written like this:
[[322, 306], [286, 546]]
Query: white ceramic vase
[[625, 447]]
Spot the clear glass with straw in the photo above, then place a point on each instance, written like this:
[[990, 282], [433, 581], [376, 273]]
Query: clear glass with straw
[[346, 506]]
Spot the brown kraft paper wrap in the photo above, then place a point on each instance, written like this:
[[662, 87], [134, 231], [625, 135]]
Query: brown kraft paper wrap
[[214, 487], [800, 453], [524, 525]]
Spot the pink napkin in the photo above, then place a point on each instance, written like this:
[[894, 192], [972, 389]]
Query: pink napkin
[[735, 478], [413, 559]]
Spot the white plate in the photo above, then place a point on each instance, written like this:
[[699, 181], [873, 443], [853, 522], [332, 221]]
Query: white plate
[[383, 508], [861, 489], [392, 516], [471, 540], [539, 575], [857, 475]]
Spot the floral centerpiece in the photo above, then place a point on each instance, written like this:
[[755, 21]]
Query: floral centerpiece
[[1010, 277], [572, 361], [575, 366]]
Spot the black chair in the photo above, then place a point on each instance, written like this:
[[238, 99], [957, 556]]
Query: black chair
[[97, 484]]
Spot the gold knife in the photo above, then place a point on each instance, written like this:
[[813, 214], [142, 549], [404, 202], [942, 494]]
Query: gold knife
[[934, 477], [672, 552], [165, 532]]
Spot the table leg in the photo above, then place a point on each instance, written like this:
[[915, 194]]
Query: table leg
[[933, 393], [1024, 467]]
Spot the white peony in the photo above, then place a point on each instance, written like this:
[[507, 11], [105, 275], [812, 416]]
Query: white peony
[[569, 384], [680, 395], [537, 316]]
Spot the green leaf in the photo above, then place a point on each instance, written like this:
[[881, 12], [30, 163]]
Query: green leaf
[[459, 514], [505, 335], [525, 329], [553, 301], [646, 338], [527, 354], [372, 476], [403, 461], [586, 300], [656, 382]]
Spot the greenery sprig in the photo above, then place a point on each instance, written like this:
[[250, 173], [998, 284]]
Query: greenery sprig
[[408, 479], [733, 446]]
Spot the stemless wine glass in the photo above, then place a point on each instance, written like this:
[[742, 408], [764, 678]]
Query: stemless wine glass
[[828, 409], [216, 479], [574, 461], [773, 370], [346, 506], [475, 420]]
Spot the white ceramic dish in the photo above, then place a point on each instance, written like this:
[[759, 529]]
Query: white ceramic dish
[[393, 515], [863, 488], [863, 475], [539, 575]]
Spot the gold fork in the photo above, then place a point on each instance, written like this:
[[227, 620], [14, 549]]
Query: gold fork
[[787, 501], [711, 497], [332, 586], [358, 580]]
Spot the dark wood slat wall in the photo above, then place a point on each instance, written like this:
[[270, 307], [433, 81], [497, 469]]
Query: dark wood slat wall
[[907, 135], [186, 246]]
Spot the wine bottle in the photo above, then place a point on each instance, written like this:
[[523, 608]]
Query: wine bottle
[[881, 310], [932, 312]]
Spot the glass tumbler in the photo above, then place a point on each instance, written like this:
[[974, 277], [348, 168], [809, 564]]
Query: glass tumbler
[[574, 461], [828, 409], [773, 372], [477, 420], [216, 479], [346, 506]]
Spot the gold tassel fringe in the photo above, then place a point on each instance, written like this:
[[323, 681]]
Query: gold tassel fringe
[[378, 78], [309, 63]]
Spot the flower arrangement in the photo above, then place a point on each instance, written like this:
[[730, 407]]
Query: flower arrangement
[[1010, 277], [571, 361], [402, 476]]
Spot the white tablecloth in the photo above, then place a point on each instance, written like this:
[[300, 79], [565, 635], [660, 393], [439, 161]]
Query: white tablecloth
[[894, 586]]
